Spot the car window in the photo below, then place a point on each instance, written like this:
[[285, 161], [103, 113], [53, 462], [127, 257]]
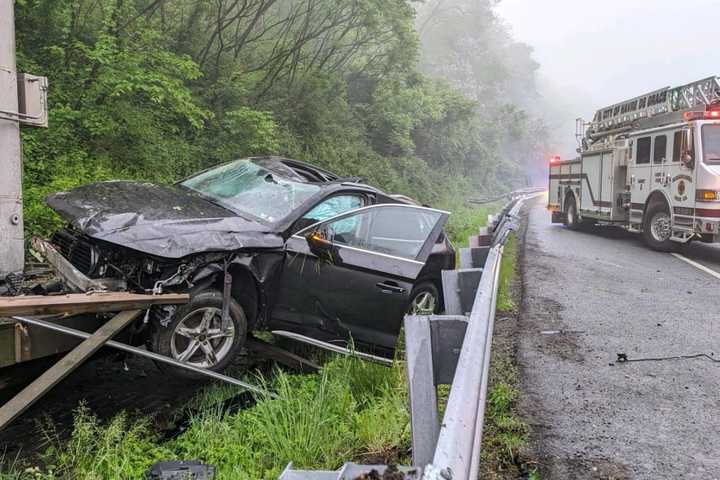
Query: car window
[[643, 151], [660, 150], [397, 231], [677, 145], [334, 206], [711, 144]]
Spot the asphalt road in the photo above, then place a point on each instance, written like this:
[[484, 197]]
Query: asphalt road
[[589, 296]]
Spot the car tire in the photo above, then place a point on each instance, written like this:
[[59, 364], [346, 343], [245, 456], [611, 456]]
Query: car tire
[[657, 228], [424, 299], [194, 335], [572, 221]]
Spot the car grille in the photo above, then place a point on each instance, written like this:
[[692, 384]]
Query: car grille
[[81, 253]]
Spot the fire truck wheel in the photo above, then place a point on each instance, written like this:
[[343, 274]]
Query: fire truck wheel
[[657, 229], [571, 217]]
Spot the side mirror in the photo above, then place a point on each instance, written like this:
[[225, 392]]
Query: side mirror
[[303, 223], [687, 159], [319, 245]]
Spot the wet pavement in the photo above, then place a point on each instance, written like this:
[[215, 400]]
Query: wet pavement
[[589, 296]]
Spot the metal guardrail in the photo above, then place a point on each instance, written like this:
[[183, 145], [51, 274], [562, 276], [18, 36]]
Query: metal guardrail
[[495, 198], [457, 451], [450, 349]]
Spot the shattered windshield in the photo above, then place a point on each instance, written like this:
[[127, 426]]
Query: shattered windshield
[[246, 187], [711, 144]]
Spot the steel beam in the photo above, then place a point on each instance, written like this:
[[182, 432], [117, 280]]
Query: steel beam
[[30, 394], [147, 354], [332, 347], [77, 303]]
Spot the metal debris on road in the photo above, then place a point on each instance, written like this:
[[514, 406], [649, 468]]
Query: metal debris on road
[[623, 358]]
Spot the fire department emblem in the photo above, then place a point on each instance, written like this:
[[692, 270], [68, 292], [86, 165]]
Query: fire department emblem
[[681, 188]]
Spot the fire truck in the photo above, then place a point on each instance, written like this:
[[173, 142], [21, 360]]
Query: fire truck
[[650, 164]]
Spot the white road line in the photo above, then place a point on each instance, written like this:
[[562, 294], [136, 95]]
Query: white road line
[[697, 265]]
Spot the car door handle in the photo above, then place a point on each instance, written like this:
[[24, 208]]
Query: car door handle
[[387, 287]]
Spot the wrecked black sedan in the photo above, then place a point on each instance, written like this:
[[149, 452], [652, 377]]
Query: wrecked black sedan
[[259, 243]]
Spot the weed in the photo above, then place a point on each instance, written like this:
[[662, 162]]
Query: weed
[[505, 301], [124, 448], [350, 410], [466, 221]]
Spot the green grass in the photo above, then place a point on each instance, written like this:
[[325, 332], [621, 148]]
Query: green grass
[[466, 220], [349, 411], [508, 268], [505, 433]]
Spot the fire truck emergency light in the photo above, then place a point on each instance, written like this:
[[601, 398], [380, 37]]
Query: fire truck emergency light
[[555, 159], [712, 112]]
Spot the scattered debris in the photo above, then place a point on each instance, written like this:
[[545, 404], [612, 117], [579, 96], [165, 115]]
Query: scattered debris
[[561, 332], [623, 358], [180, 470], [391, 473]]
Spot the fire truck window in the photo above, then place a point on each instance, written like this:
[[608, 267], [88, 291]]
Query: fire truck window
[[677, 146], [660, 152], [711, 144], [643, 150]]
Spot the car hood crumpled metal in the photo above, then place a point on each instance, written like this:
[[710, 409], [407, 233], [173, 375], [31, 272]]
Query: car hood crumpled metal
[[166, 221]]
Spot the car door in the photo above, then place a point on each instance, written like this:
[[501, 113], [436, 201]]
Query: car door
[[641, 179], [661, 180], [359, 287], [681, 185]]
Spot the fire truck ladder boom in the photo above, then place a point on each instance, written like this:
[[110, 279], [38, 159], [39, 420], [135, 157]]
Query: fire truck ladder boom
[[659, 102]]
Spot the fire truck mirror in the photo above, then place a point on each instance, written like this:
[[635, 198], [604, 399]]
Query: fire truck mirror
[[688, 155]]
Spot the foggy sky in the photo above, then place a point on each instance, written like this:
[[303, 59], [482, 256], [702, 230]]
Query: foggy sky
[[594, 54]]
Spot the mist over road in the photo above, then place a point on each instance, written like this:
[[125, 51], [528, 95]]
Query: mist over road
[[589, 296]]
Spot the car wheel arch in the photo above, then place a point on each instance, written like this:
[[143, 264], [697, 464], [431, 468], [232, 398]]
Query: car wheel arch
[[657, 197], [437, 282], [248, 298]]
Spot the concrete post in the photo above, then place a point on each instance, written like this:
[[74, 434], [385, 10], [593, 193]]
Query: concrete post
[[12, 251]]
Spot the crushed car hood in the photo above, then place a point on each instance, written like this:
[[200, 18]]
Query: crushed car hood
[[167, 221]]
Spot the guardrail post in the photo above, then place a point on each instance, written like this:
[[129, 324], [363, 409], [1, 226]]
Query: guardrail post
[[473, 257], [425, 424], [459, 288], [485, 237], [432, 349]]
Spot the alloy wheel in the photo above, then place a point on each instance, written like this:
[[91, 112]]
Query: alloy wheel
[[200, 340], [423, 304]]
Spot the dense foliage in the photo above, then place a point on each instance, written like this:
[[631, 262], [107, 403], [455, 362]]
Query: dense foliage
[[156, 89]]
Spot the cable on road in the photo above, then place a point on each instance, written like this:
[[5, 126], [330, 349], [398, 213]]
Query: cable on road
[[623, 358]]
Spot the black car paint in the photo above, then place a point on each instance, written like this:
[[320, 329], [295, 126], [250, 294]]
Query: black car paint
[[175, 224], [164, 221]]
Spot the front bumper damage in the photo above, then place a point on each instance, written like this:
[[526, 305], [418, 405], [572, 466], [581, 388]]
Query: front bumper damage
[[71, 276]]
